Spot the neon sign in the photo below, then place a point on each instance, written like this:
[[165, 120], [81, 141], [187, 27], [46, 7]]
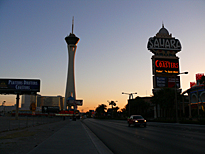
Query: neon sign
[[166, 64], [162, 65], [168, 82]]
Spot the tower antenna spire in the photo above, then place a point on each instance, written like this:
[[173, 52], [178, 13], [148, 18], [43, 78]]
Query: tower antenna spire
[[72, 24]]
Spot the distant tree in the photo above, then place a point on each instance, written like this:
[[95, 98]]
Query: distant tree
[[114, 111], [100, 110], [112, 103], [116, 108], [124, 111]]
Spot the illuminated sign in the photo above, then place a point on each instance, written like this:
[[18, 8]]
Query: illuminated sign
[[164, 44], [161, 82], [162, 65], [171, 82], [199, 76], [22, 86], [192, 84], [167, 82]]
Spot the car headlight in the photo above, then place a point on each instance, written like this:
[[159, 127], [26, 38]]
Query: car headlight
[[145, 121], [136, 120]]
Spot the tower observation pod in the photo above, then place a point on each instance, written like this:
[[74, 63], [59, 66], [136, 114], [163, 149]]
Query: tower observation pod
[[71, 41]]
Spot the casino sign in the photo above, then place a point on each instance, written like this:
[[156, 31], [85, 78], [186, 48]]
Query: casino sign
[[165, 65], [163, 44]]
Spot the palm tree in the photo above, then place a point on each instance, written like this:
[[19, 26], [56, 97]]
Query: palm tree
[[125, 111], [112, 103], [114, 111]]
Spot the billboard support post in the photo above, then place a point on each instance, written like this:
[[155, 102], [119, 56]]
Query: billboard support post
[[17, 106], [165, 63], [176, 104]]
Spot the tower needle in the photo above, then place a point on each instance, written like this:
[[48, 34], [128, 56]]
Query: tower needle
[[72, 24]]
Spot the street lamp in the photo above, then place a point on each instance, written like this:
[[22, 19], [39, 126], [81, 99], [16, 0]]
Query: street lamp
[[177, 120], [130, 94], [130, 97]]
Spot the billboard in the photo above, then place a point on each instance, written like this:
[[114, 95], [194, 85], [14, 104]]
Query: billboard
[[165, 66], [166, 82], [161, 82], [21, 86], [171, 82]]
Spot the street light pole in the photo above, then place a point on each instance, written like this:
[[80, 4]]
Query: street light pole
[[176, 104], [130, 97], [130, 94]]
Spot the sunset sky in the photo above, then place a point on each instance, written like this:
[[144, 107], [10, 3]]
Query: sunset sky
[[112, 55]]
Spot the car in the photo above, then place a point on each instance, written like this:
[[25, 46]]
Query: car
[[136, 120]]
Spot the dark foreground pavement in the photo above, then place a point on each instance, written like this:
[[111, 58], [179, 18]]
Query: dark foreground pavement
[[74, 137]]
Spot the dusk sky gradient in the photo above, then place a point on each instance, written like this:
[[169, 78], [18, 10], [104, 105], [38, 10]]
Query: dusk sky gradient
[[112, 55]]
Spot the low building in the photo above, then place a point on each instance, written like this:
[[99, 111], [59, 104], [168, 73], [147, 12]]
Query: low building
[[41, 101], [26, 101], [141, 105], [50, 101], [196, 96]]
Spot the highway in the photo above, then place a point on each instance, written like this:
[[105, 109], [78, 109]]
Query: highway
[[155, 138]]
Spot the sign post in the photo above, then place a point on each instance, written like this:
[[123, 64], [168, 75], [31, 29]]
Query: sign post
[[165, 63], [17, 107]]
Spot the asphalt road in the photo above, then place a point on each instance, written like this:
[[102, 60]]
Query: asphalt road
[[155, 138]]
